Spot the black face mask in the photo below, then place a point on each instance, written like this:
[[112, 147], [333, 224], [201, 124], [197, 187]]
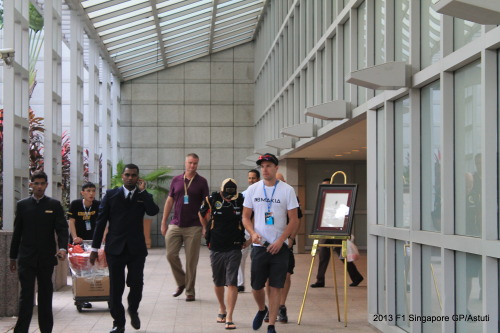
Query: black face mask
[[229, 189], [229, 192]]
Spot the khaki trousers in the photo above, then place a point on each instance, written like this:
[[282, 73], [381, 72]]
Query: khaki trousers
[[191, 237]]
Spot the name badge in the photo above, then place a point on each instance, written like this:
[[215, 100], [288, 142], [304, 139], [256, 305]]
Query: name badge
[[269, 218], [87, 225], [186, 199]]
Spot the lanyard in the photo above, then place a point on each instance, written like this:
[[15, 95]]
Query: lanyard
[[186, 187], [269, 202], [85, 211]]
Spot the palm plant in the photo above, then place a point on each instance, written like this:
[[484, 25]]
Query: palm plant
[[66, 165], [155, 180], [36, 42], [35, 142]]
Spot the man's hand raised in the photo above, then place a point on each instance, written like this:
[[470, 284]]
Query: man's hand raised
[[93, 257]]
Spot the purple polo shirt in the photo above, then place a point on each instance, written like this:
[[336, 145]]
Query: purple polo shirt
[[187, 215]]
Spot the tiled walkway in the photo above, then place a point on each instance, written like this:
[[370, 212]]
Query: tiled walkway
[[162, 313]]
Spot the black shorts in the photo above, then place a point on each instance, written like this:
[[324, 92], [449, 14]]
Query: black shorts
[[291, 261], [225, 267], [267, 266]]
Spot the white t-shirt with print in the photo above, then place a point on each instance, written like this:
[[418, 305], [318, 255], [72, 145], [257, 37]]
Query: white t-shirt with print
[[283, 200]]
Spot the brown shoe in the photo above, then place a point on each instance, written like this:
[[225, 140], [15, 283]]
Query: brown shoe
[[190, 298], [178, 291]]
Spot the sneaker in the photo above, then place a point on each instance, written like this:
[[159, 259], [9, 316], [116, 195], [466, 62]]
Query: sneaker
[[241, 289], [282, 316], [271, 329], [259, 318], [266, 318]]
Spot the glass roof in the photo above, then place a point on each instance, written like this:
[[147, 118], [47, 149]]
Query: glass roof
[[144, 36]]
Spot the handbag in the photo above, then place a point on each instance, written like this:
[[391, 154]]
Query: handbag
[[352, 251]]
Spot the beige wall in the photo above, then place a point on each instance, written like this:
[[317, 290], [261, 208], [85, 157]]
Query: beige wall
[[204, 106]]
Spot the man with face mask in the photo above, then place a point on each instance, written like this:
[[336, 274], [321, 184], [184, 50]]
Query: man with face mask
[[220, 216]]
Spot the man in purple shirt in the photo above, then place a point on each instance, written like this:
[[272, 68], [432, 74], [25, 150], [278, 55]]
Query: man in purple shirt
[[187, 192]]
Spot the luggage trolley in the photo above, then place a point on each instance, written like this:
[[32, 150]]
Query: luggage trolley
[[90, 282]]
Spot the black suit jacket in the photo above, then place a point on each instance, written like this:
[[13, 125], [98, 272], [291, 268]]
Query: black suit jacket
[[34, 241], [125, 221]]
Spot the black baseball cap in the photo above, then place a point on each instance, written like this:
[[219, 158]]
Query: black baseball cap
[[268, 157]]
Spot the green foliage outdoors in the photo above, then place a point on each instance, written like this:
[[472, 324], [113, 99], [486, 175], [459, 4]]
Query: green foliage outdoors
[[36, 19], [155, 181]]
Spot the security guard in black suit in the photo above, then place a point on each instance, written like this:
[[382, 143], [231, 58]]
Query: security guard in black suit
[[34, 247], [124, 208]]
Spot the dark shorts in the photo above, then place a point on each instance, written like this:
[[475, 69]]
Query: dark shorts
[[267, 266], [291, 261], [225, 267]]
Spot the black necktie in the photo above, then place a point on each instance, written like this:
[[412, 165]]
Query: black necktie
[[129, 196]]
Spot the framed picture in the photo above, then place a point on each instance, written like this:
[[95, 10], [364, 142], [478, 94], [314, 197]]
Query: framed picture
[[334, 212]]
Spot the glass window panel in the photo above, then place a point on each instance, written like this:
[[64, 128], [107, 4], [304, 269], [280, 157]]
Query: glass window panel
[[362, 47], [402, 196], [468, 150], [464, 32], [468, 290], [432, 289], [430, 34], [347, 60], [381, 267], [402, 30], [379, 32], [431, 146], [381, 155], [403, 291]]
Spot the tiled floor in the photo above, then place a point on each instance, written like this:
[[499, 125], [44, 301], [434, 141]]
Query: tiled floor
[[160, 312]]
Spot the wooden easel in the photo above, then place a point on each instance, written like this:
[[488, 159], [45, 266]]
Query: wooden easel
[[314, 249]]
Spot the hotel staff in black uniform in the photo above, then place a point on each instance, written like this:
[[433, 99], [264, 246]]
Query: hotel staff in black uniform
[[124, 208], [34, 247]]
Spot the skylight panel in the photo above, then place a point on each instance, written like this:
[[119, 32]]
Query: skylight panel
[[235, 17], [130, 33], [122, 17], [132, 42], [90, 3], [132, 49], [119, 7], [126, 26]]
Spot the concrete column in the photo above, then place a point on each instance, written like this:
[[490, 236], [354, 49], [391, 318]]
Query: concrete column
[[9, 286], [293, 169]]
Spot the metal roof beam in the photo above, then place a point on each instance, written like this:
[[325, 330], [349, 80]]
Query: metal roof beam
[[158, 33], [91, 32], [212, 25]]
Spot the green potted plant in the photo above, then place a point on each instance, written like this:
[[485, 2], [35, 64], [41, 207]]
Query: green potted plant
[[155, 181]]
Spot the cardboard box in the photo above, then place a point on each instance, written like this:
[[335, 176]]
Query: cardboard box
[[90, 287]]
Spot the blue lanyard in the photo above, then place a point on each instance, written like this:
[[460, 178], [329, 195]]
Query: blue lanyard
[[270, 202]]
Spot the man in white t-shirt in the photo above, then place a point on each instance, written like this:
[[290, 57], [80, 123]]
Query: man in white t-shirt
[[271, 201]]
